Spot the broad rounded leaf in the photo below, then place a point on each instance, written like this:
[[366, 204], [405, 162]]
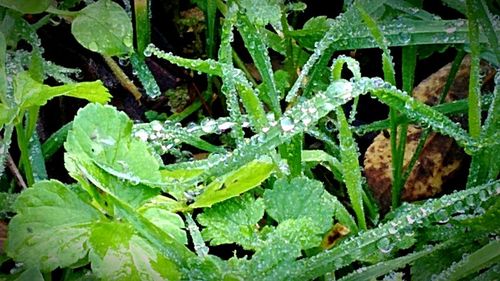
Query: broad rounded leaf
[[118, 253], [104, 27], [51, 228], [102, 135], [299, 198], [26, 6], [233, 221]]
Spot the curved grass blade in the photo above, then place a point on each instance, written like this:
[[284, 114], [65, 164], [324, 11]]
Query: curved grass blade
[[258, 50], [55, 141]]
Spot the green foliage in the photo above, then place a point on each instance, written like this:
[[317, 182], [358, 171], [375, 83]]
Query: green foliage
[[132, 217], [104, 27], [299, 198], [26, 6], [233, 221], [46, 213]]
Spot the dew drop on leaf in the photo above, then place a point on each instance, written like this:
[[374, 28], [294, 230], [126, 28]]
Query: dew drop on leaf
[[287, 124], [384, 245]]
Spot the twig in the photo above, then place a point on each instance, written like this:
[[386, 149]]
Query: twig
[[123, 78], [15, 171]]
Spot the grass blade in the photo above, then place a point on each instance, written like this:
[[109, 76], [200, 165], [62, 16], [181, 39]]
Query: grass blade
[[350, 167]]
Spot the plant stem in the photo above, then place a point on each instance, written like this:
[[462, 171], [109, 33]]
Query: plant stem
[[15, 171], [474, 79], [23, 143], [142, 25], [122, 77]]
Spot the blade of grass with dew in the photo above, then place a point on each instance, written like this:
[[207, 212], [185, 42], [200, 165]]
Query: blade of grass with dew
[[260, 55], [55, 141], [425, 134], [487, 22], [210, 32], [141, 71], [410, 9], [408, 76], [208, 66], [323, 50], [450, 108], [485, 163], [370, 272], [390, 76], [350, 168], [472, 263], [425, 115], [474, 116], [228, 82], [36, 159], [294, 121], [142, 10], [416, 216]]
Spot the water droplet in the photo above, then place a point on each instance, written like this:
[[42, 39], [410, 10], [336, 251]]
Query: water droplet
[[483, 196], [410, 219], [93, 46], [208, 126], [287, 124], [450, 30], [392, 228], [441, 216], [226, 125], [470, 201], [156, 126], [384, 245], [459, 207], [405, 38]]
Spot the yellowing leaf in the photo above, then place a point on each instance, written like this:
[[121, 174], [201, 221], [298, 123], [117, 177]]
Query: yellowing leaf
[[235, 183]]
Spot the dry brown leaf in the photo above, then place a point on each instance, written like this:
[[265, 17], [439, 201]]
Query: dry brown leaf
[[441, 157]]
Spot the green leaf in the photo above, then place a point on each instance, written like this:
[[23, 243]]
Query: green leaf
[[313, 30], [7, 203], [472, 263], [28, 92], [51, 228], [30, 274], [26, 6], [262, 12], [350, 167], [104, 27], [235, 183], [233, 221], [102, 135], [167, 221], [302, 232], [299, 198], [127, 256]]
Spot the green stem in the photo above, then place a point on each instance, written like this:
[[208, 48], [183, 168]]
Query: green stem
[[122, 77], [142, 25], [474, 80], [241, 65], [23, 143], [425, 134], [56, 11]]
